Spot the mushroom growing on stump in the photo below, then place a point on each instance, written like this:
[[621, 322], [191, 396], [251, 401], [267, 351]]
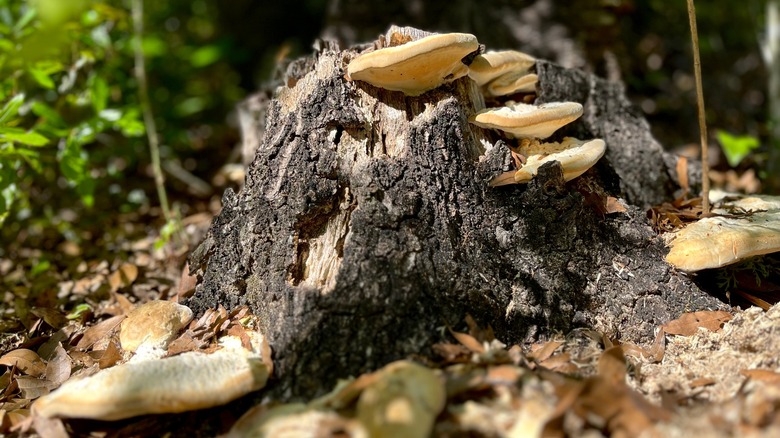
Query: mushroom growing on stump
[[505, 72], [575, 156], [520, 120], [416, 66]]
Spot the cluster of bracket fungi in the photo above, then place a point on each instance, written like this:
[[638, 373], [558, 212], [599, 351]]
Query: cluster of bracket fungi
[[415, 66]]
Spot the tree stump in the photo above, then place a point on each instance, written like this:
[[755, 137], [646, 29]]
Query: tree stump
[[366, 226]]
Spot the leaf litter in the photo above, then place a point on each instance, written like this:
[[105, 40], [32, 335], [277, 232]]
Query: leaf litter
[[703, 375]]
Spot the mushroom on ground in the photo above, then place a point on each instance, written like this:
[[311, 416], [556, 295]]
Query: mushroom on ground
[[521, 120], [153, 324], [189, 381], [576, 157], [417, 66], [493, 65], [714, 242]]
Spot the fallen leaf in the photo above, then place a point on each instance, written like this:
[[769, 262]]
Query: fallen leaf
[[111, 355], [58, 367], [682, 173], [702, 381], [99, 331], [614, 205], [542, 352], [53, 317], [688, 323], [123, 277], [187, 283], [766, 376], [468, 341], [26, 361], [32, 387]]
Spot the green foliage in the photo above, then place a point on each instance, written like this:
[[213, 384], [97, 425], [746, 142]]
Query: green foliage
[[71, 123], [736, 147], [56, 62]]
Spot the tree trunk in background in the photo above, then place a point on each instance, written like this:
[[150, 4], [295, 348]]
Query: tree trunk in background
[[366, 226]]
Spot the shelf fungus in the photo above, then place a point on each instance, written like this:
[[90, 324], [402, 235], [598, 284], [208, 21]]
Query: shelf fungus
[[519, 120], [186, 382], [416, 66], [505, 72], [714, 242], [153, 324], [576, 157]]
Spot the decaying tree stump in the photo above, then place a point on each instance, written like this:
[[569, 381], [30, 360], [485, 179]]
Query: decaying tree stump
[[366, 226]]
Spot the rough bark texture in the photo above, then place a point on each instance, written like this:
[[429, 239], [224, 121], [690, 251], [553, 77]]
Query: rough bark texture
[[366, 226]]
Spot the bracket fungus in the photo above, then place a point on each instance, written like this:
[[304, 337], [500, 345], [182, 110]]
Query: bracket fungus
[[153, 324], [714, 242], [504, 72], [492, 65], [576, 157], [186, 382], [416, 66], [520, 120]]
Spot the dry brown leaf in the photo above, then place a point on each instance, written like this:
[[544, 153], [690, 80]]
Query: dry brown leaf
[[32, 387], [123, 277], [53, 317], [187, 283], [58, 367], [111, 355], [468, 341], [688, 323], [238, 331], [542, 352], [766, 376], [702, 381], [185, 342], [612, 366], [614, 205], [682, 173], [560, 362], [99, 331], [49, 427], [452, 353], [504, 374], [26, 361]]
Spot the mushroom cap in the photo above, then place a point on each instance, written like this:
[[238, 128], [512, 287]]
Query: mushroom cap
[[576, 157], [155, 324], [505, 85], [417, 66], [521, 120], [715, 242], [181, 383], [492, 65]]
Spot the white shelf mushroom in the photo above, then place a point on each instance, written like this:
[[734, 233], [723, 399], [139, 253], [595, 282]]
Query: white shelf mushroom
[[519, 120], [417, 66]]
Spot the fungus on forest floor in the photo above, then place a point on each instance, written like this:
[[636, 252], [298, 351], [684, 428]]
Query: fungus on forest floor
[[153, 324], [714, 242]]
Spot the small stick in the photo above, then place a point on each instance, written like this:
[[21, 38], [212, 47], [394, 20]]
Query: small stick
[[705, 167]]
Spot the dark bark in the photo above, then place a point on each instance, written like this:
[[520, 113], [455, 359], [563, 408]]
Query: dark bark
[[366, 225]]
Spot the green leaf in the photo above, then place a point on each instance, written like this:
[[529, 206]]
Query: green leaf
[[48, 113], [11, 108], [205, 55], [79, 310], [26, 138], [736, 147], [41, 78], [25, 20], [99, 92]]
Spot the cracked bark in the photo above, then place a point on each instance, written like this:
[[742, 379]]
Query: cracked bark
[[366, 225]]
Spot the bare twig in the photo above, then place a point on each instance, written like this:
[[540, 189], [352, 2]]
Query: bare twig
[[705, 167], [146, 107]]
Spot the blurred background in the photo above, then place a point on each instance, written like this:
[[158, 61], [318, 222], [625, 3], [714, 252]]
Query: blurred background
[[74, 157]]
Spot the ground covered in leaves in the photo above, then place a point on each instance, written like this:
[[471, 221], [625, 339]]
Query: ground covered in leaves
[[707, 374]]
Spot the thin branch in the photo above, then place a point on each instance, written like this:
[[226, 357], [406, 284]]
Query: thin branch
[[146, 107], [705, 167]]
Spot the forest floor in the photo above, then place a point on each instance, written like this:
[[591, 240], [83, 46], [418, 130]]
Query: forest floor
[[707, 374]]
